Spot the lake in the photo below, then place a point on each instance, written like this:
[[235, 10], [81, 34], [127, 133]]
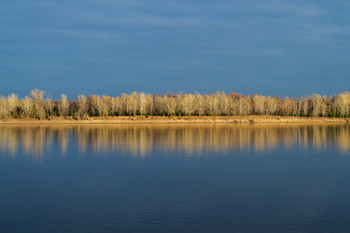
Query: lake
[[175, 178]]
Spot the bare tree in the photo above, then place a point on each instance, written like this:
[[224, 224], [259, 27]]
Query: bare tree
[[170, 102], [105, 105], [27, 104], [37, 95], [143, 103], [304, 102], [316, 101], [38, 98], [64, 105], [188, 103], [82, 105], [259, 103], [271, 105], [12, 103], [135, 102], [342, 102], [3, 107]]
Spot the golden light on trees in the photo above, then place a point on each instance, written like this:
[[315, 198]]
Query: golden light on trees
[[180, 104]]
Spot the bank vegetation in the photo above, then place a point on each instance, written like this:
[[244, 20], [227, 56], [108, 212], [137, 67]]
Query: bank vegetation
[[36, 105]]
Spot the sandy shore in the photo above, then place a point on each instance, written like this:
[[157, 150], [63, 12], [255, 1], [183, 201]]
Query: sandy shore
[[179, 120]]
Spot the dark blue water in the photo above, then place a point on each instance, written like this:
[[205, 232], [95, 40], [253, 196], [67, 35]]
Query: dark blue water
[[201, 178]]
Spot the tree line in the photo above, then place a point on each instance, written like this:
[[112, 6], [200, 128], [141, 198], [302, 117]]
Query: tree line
[[36, 105]]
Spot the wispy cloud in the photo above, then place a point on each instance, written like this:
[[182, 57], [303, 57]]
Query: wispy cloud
[[165, 21], [77, 33], [326, 33], [303, 10], [61, 32], [132, 17]]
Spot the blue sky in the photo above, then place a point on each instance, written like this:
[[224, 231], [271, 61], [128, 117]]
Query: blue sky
[[270, 47]]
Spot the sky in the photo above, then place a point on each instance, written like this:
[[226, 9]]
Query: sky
[[107, 47]]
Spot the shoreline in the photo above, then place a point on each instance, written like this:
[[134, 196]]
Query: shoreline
[[182, 120]]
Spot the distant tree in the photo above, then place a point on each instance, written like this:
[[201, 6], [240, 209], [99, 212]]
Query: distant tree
[[64, 105], [342, 103], [259, 103], [170, 103], [27, 104], [3, 107], [271, 105], [82, 103], [12, 104], [316, 101], [38, 108], [188, 103]]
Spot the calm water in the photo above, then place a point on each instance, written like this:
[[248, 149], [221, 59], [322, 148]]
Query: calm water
[[179, 178]]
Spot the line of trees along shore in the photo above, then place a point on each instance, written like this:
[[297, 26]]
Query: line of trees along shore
[[36, 105]]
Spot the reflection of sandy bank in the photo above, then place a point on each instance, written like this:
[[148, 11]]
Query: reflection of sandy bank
[[140, 140]]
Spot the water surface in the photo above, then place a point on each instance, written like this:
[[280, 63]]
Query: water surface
[[174, 178]]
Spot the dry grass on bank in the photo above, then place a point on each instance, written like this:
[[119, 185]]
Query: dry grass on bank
[[177, 119]]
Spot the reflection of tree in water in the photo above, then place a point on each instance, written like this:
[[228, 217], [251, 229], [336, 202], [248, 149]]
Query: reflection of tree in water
[[141, 140]]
